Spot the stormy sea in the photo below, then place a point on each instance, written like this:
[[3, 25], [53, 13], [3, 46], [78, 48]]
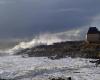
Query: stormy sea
[[16, 67]]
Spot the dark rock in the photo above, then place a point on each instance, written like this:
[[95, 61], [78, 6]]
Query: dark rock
[[63, 49], [57, 78], [97, 62], [69, 78]]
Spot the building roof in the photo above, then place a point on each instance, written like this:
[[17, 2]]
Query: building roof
[[93, 30]]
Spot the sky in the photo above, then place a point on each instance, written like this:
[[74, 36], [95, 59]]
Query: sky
[[26, 18]]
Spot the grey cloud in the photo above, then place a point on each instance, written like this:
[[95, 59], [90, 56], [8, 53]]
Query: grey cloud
[[22, 18]]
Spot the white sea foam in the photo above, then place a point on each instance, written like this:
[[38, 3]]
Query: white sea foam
[[41, 68]]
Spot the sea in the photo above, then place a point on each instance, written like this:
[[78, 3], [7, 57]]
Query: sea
[[16, 67]]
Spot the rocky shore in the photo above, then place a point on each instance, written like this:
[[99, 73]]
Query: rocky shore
[[63, 49]]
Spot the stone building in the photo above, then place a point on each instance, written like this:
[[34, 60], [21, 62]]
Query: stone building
[[93, 35]]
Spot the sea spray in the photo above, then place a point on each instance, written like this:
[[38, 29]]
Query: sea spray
[[47, 39]]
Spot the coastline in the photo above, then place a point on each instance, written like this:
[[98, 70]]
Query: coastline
[[80, 49]]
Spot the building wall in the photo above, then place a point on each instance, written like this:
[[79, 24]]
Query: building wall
[[93, 37]]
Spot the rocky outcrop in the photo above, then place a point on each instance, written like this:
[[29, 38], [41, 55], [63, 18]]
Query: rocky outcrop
[[63, 49]]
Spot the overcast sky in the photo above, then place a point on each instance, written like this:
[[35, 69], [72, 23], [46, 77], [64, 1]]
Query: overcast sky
[[22, 18]]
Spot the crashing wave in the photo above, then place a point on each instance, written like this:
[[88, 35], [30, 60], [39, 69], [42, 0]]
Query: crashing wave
[[48, 39]]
